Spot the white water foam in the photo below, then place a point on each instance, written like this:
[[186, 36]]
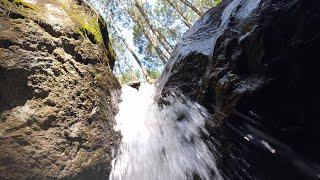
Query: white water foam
[[161, 143]]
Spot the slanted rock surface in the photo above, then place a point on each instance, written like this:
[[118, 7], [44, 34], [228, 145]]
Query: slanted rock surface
[[255, 65], [58, 96]]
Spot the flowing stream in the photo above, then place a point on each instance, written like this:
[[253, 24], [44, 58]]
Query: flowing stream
[[161, 141]]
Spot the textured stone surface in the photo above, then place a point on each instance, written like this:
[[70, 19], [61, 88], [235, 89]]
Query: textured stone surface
[[254, 65], [58, 96]]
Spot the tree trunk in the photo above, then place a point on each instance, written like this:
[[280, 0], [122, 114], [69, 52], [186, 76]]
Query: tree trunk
[[187, 3], [144, 71], [164, 57], [159, 36], [174, 34], [183, 18]]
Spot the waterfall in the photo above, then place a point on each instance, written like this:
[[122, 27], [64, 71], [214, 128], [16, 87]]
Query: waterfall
[[161, 141], [165, 141]]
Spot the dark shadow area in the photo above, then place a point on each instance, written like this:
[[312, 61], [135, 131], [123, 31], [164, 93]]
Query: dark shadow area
[[14, 90]]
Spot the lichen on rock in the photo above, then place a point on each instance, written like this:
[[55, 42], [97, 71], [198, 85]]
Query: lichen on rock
[[58, 96]]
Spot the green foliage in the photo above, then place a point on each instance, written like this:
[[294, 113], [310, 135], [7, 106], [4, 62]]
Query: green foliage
[[135, 75], [168, 20], [154, 74], [217, 1], [129, 76]]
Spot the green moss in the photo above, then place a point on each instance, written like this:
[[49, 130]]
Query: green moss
[[91, 27], [111, 51], [87, 24], [111, 55]]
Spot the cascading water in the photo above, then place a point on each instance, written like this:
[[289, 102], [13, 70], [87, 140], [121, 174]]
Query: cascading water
[[161, 141], [166, 141]]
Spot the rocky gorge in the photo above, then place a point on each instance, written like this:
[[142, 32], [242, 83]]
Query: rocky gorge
[[247, 72]]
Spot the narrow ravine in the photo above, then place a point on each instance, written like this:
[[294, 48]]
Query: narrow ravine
[[229, 61], [161, 141], [237, 98]]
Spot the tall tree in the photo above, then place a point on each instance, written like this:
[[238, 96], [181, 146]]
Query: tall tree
[[171, 31], [164, 56], [135, 56], [159, 36], [156, 26], [183, 18], [187, 3]]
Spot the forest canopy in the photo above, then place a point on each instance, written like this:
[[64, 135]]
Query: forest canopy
[[144, 32]]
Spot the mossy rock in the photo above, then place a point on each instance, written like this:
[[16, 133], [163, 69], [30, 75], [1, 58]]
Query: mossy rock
[[55, 77]]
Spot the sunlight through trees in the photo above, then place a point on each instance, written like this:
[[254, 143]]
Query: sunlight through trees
[[144, 32]]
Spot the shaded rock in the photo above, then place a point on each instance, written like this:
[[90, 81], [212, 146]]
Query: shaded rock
[[134, 84], [254, 65], [58, 96]]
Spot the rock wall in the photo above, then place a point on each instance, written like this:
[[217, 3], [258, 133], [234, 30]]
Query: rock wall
[[58, 96], [254, 65]]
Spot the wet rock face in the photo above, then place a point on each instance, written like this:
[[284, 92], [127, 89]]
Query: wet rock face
[[58, 96], [254, 65]]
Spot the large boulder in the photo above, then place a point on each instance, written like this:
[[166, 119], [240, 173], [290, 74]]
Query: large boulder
[[255, 66], [58, 96]]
